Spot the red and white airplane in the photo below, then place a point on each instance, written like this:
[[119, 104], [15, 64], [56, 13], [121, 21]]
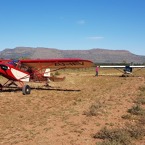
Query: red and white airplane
[[38, 70]]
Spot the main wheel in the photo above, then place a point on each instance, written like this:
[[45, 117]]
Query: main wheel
[[26, 89]]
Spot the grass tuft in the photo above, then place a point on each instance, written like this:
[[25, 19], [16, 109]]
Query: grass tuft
[[126, 116], [109, 142], [136, 131], [94, 109], [136, 110], [115, 136], [120, 136], [140, 100]]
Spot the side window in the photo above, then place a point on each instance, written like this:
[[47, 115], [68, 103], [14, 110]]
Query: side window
[[23, 67]]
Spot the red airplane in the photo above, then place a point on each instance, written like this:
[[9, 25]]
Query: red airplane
[[38, 70]]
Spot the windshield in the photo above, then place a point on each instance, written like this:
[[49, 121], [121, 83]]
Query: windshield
[[13, 62]]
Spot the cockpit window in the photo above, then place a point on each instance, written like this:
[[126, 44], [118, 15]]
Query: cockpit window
[[14, 62]]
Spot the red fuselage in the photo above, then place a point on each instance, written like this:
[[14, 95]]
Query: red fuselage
[[11, 72]]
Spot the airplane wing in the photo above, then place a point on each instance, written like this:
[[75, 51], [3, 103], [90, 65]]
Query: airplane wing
[[122, 66], [112, 66], [57, 63]]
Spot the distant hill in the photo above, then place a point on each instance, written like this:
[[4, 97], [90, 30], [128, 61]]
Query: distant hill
[[96, 54]]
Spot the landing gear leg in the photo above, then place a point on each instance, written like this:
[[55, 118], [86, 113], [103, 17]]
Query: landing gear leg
[[47, 83], [26, 89], [12, 83], [1, 87]]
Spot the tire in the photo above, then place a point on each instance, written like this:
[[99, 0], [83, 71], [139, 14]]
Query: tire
[[26, 89], [1, 87]]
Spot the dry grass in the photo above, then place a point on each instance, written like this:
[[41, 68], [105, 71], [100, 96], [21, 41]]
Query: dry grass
[[121, 136], [56, 115]]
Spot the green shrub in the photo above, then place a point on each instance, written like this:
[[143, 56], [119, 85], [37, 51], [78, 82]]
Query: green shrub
[[136, 110], [140, 100], [142, 120], [136, 131], [108, 142], [126, 116], [120, 136], [94, 109], [57, 73], [116, 136]]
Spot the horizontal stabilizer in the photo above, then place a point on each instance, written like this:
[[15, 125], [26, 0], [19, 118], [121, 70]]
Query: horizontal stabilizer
[[56, 79]]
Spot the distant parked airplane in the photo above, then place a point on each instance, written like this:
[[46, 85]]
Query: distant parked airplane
[[125, 69]]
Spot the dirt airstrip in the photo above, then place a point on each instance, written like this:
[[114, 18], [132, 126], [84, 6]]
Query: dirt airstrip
[[63, 114]]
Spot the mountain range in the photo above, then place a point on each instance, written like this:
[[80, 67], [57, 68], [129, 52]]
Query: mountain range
[[96, 55]]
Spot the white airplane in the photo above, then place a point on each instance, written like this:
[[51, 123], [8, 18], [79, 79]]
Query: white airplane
[[128, 69]]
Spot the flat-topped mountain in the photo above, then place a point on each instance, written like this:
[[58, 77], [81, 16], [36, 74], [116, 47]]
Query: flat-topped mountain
[[96, 54]]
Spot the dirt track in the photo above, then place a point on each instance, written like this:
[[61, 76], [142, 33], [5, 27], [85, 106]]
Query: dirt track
[[61, 115]]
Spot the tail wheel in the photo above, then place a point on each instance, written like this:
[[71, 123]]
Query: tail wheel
[[26, 89]]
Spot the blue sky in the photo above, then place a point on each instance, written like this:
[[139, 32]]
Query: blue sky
[[73, 24]]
